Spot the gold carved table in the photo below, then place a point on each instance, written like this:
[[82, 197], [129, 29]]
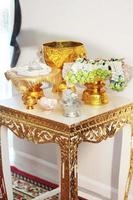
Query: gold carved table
[[94, 125]]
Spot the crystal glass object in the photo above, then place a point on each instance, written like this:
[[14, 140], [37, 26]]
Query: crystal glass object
[[70, 103]]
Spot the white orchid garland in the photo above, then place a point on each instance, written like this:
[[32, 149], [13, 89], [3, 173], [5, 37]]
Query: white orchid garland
[[85, 71]]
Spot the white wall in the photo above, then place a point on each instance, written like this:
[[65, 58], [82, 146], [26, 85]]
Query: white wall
[[105, 27], [6, 27]]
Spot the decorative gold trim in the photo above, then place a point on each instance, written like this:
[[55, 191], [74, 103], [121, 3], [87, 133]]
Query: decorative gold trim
[[123, 112]]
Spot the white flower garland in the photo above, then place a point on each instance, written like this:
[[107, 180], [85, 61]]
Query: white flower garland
[[118, 79]]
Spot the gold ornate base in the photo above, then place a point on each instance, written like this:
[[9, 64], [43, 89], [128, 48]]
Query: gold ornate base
[[31, 96], [63, 86], [57, 81], [95, 94]]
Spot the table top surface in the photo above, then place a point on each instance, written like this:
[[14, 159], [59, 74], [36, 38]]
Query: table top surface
[[87, 111]]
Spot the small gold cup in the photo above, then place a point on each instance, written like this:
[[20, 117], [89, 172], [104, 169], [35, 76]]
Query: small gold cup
[[55, 54]]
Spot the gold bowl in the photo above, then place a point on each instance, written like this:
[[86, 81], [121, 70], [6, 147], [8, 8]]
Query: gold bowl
[[55, 54]]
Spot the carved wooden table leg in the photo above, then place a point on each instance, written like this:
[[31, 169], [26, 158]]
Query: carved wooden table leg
[[130, 174], [124, 161], [69, 178], [3, 193]]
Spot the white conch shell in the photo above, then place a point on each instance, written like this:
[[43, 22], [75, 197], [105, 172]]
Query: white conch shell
[[47, 103]]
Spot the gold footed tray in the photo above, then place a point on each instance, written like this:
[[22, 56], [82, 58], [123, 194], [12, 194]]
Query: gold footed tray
[[31, 87]]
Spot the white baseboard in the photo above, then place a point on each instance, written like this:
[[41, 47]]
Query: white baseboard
[[36, 166], [98, 188], [91, 189]]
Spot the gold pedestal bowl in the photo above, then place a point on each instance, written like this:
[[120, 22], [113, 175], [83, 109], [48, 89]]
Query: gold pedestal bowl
[[95, 93], [55, 54]]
